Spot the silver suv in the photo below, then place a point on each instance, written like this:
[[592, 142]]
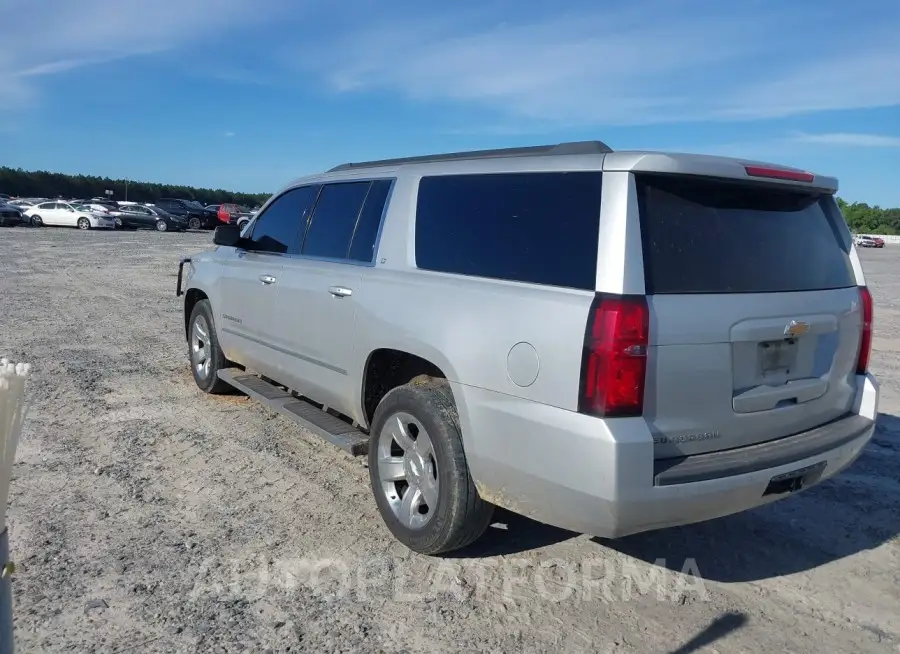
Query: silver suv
[[609, 342]]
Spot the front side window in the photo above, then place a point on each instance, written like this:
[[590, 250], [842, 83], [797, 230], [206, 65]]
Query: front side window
[[539, 228], [277, 228]]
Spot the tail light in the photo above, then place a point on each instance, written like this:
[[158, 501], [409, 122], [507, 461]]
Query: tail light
[[865, 341], [614, 365]]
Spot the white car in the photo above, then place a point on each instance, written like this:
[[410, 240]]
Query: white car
[[64, 214]]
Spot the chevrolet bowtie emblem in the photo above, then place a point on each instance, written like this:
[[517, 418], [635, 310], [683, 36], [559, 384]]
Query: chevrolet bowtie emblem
[[796, 328]]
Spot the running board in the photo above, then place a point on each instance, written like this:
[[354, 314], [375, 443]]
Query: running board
[[322, 424]]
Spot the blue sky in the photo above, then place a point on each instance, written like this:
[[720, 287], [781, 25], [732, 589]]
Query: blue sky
[[247, 94]]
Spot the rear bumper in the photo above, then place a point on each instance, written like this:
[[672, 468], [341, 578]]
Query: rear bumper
[[600, 478], [102, 223]]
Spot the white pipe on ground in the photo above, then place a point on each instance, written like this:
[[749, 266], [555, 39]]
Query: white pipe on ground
[[12, 415]]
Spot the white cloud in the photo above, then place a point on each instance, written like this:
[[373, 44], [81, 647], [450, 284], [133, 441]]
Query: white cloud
[[649, 62], [229, 134], [850, 139], [49, 37]]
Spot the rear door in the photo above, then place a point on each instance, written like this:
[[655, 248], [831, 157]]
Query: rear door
[[47, 212], [318, 299], [755, 310]]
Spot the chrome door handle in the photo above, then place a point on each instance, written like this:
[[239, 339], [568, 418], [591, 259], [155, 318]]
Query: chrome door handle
[[267, 279], [340, 291]]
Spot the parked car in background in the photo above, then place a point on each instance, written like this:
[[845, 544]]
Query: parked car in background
[[234, 214], [10, 215], [136, 216], [197, 216], [65, 214], [864, 241], [110, 209]]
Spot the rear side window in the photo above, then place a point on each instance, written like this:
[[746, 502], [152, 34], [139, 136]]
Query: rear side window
[[540, 228], [334, 219], [363, 246], [703, 235]]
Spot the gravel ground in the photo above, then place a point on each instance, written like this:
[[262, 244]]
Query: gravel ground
[[146, 516]]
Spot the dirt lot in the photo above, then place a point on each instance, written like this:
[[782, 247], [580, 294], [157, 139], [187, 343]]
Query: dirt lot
[[146, 516]]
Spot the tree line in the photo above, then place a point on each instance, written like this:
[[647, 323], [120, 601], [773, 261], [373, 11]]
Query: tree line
[[865, 219], [43, 184], [861, 217]]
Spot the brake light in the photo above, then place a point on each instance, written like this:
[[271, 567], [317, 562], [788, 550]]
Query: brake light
[[614, 364], [779, 173], [865, 341]]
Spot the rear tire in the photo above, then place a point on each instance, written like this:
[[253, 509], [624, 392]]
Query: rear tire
[[431, 460], [204, 352]]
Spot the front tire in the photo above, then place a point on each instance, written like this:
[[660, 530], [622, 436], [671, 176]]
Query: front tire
[[37, 221], [194, 223], [162, 226], [417, 467], [204, 352], [84, 224]]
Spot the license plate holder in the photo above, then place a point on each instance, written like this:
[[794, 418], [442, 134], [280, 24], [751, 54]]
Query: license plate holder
[[795, 480], [777, 357]]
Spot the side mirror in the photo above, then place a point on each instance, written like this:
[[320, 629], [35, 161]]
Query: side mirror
[[227, 235]]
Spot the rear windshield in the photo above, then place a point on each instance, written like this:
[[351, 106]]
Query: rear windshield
[[703, 235]]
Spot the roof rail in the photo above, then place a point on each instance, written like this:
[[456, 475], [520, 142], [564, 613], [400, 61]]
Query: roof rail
[[575, 147]]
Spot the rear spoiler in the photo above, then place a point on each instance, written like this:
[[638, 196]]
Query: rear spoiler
[[721, 167]]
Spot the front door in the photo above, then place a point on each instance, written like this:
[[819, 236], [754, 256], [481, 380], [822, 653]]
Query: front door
[[248, 283], [140, 217], [66, 215], [250, 279]]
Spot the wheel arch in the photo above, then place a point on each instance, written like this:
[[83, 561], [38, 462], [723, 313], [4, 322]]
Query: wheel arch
[[191, 297], [387, 368]]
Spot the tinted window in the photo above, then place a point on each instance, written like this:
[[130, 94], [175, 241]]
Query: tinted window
[[334, 219], [529, 227], [47, 205], [363, 246], [705, 235], [276, 230]]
